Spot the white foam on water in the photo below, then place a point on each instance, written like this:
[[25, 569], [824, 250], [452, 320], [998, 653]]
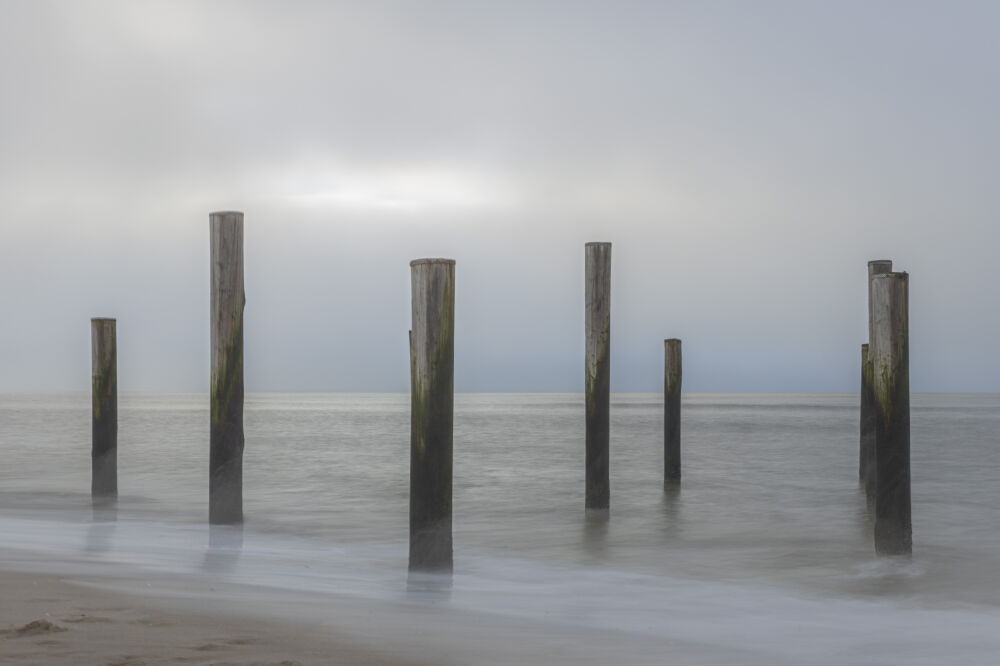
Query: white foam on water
[[648, 615]]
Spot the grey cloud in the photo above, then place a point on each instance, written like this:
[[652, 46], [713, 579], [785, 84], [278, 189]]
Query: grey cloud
[[746, 159]]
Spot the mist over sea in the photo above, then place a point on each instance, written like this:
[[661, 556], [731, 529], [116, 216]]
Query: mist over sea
[[764, 555]]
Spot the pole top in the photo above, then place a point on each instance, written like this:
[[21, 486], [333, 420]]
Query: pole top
[[599, 244], [432, 260], [225, 213], [672, 341], [880, 261], [897, 275], [103, 319]]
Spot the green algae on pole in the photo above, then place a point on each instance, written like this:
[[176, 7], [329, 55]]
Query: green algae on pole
[[868, 467], [432, 398], [671, 411], [866, 455], [225, 475], [104, 420], [890, 359], [598, 373]]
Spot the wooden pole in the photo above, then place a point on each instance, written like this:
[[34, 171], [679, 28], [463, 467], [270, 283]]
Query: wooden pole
[[598, 373], [225, 477], [891, 380], [104, 420], [866, 455], [432, 397], [671, 411], [867, 465]]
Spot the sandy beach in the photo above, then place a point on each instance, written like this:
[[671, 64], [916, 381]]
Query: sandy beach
[[66, 610], [47, 620]]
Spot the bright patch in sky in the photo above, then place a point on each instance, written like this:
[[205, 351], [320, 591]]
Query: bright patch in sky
[[403, 189]]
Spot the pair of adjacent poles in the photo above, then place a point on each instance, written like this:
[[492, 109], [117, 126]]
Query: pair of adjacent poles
[[597, 274], [226, 433], [884, 460]]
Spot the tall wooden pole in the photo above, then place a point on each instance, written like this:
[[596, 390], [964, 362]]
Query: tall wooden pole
[[866, 455], [598, 373], [671, 411], [225, 478], [432, 398], [867, 463], [891, 374], [104, 419]]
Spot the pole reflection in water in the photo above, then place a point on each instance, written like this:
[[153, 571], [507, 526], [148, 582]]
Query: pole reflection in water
[[102, 527], [225, 544], [595, 535]]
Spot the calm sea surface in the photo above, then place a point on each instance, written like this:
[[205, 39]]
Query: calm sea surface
[[768, 538]]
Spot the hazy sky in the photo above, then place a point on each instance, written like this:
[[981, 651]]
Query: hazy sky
[[745, 158]]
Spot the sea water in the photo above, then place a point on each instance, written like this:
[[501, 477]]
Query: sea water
[[765, 551]]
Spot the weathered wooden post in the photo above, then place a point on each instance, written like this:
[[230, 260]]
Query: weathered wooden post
[[104, 419], [671, 411], [432, 397], [867, 426], [225, 474], [866, 454], [598, 373], [891, 380]]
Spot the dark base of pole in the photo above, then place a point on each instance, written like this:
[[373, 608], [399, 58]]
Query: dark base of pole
[[104, 477], [225, 496], [598, 501], [104, 505], [893, 514], [672, 439], [891, 540], [867, 467], [431, 548], [225, 477], [595, 533], [225, 507], [598, 493]]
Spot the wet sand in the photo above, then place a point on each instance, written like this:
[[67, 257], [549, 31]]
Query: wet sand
[[45, 619]]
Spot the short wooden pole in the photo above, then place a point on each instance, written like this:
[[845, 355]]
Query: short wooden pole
[[671, 411], [867, 455], [225, 479], [104, 419], [868, 480], [598, 373], [891, 380], [432, 397]]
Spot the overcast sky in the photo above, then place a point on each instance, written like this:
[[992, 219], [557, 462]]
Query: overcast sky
[[746, 159]]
